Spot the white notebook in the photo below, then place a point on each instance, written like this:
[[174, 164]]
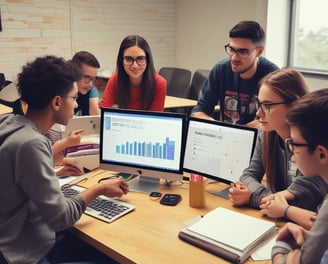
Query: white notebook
[[229, 234]]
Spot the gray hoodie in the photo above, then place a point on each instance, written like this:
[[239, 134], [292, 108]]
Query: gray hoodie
[[315, 242], [32, 206]]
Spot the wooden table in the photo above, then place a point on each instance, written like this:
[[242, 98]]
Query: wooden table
[[173, 103], [149, 234], [5, 109]]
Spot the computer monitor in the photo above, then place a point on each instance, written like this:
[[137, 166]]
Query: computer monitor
[[144, 143], [217, 150]]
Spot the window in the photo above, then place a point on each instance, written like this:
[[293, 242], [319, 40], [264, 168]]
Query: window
[[309, 36]]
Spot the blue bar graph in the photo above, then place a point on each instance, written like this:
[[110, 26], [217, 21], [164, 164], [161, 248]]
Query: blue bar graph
[[164, 150]]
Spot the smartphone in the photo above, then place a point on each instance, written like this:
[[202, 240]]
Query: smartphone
[[171, 199], [125, 176]]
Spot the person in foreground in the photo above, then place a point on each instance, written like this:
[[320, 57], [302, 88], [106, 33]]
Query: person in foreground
[[233, 82], [135, 84], [277, 91], [32, 207], [309, 146], [88, 96]]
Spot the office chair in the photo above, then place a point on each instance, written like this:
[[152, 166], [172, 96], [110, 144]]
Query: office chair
[[178, 81], [197, 82], [2, 80], [10, 97]]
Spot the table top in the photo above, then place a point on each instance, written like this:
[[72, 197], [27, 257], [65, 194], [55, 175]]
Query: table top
[[150, 233], [178, 102], [5, 109]]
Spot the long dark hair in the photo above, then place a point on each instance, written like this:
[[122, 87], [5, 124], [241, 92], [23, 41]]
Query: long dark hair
[[290, 85], [123, 82]]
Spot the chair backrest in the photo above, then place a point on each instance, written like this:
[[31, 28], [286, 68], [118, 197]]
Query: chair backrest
[[178, 81], [2, 80], [197, 82], [10, 97]]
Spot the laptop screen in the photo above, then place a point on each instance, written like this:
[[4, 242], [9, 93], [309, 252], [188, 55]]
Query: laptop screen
[[219, 151], [89, 124]]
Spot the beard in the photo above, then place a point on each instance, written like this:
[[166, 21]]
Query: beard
[[245, 70]]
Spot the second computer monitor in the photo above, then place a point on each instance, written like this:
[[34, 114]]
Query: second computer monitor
[[217, 150]]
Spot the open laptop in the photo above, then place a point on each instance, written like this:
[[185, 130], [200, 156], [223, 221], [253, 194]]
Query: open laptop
[[87, 153]]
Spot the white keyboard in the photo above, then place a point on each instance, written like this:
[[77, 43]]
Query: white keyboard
[[102, 207]]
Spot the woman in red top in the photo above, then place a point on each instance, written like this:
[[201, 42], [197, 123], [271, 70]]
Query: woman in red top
[[135, 84]]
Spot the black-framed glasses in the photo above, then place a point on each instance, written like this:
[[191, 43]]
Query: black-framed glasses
[[242, 53], [87, 79], [140, 60], [72, 97], [266, 107], [291, 144]]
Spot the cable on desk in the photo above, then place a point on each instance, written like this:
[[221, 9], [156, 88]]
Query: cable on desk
[[174, 183]]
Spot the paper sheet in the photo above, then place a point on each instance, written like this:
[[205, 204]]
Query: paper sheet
[[264, 252]]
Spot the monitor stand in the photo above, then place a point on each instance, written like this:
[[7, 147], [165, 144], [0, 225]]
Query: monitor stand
[[223, 193], [144, 184]]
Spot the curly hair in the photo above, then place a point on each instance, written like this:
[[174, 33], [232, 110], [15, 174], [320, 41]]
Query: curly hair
[[44, 78]]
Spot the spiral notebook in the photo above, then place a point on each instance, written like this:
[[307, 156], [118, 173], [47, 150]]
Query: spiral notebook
[[228, 234]]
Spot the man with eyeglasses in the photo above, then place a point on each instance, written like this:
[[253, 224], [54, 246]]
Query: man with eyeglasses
[[88, 96], [232, 82], [309, 147], [87, 101]]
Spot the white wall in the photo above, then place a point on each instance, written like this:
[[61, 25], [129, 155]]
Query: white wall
[[277, 34], [316, 82], [203, 28]]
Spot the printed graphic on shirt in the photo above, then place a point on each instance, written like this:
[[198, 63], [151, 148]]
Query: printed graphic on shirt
[[55, 133], [238, 107], [292, 170]]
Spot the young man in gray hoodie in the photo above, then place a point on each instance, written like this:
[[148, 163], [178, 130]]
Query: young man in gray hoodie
[[32, 206]]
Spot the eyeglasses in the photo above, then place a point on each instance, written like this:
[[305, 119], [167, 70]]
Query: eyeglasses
[[87, 79], [265, 107], [72, 97], [291, 144], [140, 60], [242, 53]]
